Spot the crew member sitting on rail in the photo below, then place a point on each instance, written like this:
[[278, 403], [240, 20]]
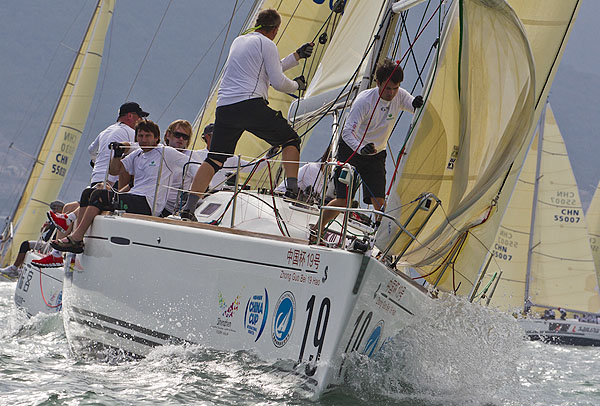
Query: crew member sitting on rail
[[122, 131], [148, 197]]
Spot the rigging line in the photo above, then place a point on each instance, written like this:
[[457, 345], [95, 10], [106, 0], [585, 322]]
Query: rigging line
[[288, 22], [351, 80], [148, 50], [410, 47], [194, 71], [402, 112], [427, 91], [28, 112], [277, 215], [90, 124], [217, 69], [49, 122]]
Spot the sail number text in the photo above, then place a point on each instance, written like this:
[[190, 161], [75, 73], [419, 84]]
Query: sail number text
[[567, 216]]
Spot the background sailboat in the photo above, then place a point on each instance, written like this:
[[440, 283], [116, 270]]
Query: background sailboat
[[63, 134], [544, 229], [541, 247]]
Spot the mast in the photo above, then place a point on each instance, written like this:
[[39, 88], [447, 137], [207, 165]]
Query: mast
[[526, 302]]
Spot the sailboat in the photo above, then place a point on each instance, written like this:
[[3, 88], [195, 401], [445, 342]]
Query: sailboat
[[40, 290], [542, 250], [246, 278]]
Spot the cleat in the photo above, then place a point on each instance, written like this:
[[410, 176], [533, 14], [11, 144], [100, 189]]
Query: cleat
[[10, 272], [49, 261], [59, 220]]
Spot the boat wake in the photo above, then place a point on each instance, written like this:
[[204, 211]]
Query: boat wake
[[456, 353]]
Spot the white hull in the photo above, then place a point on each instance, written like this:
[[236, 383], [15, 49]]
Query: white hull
[[39, 290], [142, 283], [570, 331]]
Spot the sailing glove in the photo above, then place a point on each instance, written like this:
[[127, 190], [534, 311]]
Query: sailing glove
[[417, 102], [305, 50], [118, 148], [368, 149], [301, 82]]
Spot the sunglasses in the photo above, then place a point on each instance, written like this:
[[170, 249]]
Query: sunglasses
[[178, 134]]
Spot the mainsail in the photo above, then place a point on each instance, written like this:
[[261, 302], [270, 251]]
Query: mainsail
[[544, 230], [453, 246], [300, 23], [479, 108], [593, 221], [64, 132]]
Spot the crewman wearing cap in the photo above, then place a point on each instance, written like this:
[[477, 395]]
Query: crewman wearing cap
[[121, 131]]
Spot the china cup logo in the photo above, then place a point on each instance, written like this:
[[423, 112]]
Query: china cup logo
[[255, 316], [283, 319]]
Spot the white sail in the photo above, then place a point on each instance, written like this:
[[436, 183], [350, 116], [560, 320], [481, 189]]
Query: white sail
[[62, 137], [562, 272], [593, 222], [547, 26], [478, 111]]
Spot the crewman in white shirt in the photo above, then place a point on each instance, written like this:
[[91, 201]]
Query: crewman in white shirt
[[364, 148], [253, 64], [147, 164]]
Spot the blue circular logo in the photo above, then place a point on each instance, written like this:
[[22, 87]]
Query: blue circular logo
[[255, 317], [283, 319]]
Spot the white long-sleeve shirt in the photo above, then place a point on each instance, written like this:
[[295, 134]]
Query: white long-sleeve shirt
[[382, 122], [118, 132], [253, 63]]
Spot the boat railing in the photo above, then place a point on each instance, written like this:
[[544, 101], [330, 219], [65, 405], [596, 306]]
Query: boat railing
[[6, 239], [424, 203]]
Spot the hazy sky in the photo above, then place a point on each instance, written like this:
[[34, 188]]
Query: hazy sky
[[37, 48]]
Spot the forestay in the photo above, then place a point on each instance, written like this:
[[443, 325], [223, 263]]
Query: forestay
[[479, 108]]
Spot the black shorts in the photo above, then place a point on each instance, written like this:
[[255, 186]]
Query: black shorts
[[371, 169], [103, 200], [250, 115]]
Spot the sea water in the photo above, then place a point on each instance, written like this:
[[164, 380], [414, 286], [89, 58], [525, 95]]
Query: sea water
[[455, 354]]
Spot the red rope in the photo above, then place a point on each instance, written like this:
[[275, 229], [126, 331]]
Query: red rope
[[42, 292]]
